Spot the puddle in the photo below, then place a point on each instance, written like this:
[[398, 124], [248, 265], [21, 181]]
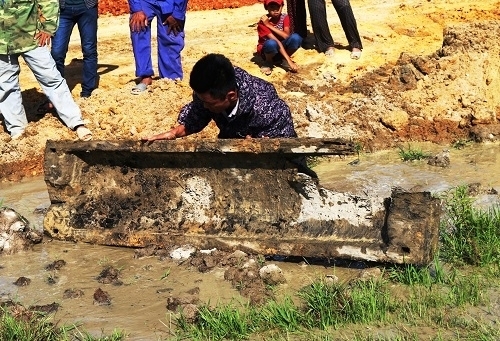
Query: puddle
[[138, 307], [376, 174]]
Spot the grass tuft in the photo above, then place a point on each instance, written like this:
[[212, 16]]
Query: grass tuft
[[411, 154]]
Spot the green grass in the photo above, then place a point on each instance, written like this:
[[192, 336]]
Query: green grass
[[29, 326], [411, 154], [461, 144], [470, 235]]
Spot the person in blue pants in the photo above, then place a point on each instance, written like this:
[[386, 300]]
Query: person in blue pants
[[84, 14], [170, 18]]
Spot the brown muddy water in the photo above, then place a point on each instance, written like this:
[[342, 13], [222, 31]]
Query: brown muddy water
[[138, 306]]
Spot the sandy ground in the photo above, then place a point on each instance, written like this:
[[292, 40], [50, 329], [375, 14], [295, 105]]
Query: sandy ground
[[452, 87]]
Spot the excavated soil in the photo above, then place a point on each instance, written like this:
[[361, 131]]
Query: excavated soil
[[429, 72]]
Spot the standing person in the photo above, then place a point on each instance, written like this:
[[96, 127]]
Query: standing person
[[296, 9], [348, 22], [27, 27], [84, 14], [241, 105], [275, 39], [319, 23], [170, 18]]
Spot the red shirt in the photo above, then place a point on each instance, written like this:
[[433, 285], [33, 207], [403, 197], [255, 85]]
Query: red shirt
[[263, 31]]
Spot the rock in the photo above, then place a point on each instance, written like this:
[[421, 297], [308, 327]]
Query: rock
[[101, 297], [56, 265], [22, 281], [109, 275], [440, 160], [395, 119], [15, 233], [183, 252], [73, 293], [272, 275]]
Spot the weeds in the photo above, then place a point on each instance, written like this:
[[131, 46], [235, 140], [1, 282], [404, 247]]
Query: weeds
[[470, 235], [30, 326], [412, 154], [461, 144], [409, 274]]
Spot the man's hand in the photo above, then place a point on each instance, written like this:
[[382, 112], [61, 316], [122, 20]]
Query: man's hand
[[169, 135], [138, 21], [265, 20], [43, 38], [173, 25]]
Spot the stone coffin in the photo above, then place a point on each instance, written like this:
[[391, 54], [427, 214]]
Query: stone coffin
[[228, 194]]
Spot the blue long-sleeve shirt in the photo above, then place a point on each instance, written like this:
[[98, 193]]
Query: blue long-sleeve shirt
[[175, 7]]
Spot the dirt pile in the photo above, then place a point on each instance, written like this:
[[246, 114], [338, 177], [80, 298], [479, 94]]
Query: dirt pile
[[114, 7], [428, 75]]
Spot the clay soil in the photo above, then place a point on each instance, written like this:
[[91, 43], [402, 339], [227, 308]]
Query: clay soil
[[429, 72]]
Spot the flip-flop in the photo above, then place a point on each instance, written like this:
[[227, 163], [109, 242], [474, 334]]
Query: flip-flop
[[267, 70], [84, 133], [138, 89], [355, 54], [330, 52]]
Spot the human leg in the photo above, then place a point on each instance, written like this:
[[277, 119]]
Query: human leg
[[60, 40], [87, 25], [54, 85], [11, 102], [141, 47], [292, 43], [170, 47], [296, 10], [348, 22], [319, 23], [270, 50]]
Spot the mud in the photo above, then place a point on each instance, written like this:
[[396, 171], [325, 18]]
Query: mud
[[427, 75]]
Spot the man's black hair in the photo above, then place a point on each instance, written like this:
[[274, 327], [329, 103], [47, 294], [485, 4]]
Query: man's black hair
[[213, 74]]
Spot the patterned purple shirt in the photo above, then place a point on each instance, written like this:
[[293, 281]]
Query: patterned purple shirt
[[260, 112]]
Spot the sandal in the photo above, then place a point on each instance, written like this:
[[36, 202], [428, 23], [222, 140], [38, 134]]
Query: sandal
[[330, 52], [46, 107], [138, 88], [355, 54], [84, 134], [265, 69]]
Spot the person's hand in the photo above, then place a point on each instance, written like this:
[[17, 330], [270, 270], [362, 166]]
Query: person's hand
[[43, 38], [265, 20], [293, 67], [169, 135], [173, 25], [138, 21]]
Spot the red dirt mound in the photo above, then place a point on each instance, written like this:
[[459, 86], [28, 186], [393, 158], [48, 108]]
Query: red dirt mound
[[114, 7]]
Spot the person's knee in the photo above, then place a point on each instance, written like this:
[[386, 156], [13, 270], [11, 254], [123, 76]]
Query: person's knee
[[295, 40], [58, 54], [270, 47]]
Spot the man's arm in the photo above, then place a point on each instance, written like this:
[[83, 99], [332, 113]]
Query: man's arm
[[172, 134]]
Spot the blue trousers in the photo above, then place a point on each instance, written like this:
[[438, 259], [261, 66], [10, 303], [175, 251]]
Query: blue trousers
[[169, 47], [86, 19], [291, 44]]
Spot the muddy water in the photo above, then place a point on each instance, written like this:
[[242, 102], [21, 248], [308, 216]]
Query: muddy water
[[377, 173], [138, 306]]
